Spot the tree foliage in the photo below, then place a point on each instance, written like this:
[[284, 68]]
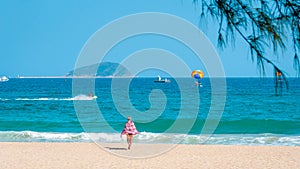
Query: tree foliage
[[262, 24]]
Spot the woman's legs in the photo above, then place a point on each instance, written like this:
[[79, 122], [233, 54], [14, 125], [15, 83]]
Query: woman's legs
[[129, 140]]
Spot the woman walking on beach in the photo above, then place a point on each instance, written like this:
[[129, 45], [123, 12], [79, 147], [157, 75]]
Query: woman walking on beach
[[130, 130]]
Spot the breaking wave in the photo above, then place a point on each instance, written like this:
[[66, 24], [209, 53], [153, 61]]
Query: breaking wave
[[151, 138]]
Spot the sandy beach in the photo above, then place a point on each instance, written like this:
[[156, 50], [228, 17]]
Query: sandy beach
[[91, 155]]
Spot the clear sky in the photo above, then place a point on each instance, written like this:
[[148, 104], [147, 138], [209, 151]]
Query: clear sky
[[45, 37]]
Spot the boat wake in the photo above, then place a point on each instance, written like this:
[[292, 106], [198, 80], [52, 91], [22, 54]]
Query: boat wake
[[78, 97]]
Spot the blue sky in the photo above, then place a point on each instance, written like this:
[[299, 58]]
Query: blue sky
[[45, 37]]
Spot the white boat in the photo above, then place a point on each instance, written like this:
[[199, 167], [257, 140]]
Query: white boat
[[160, 80], [4, 79], [198, 84]]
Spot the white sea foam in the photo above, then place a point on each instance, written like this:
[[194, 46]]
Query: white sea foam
[[152, 138], [42, 136]]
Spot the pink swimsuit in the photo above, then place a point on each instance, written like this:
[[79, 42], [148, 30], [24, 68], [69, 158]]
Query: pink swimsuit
[[129, 129]]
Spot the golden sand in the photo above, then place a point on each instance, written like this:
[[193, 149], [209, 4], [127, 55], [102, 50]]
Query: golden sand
[[110, 156]]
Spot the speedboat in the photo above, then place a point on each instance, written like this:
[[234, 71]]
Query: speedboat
[[160, 80], [4, 79]]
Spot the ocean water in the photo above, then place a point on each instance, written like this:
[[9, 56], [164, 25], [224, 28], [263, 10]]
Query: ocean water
[[44, 110]]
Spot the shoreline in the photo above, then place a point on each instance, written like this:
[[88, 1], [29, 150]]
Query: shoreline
[[264, 139], [115, 155]]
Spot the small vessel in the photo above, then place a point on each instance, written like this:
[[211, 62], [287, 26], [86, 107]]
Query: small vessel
[[90, 95], [4, 79], [160, 80], [198, 84]]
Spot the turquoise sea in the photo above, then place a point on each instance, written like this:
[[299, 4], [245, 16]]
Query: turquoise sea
[[42, 110]]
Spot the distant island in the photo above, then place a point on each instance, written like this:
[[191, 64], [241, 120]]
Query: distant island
[[104, 70]]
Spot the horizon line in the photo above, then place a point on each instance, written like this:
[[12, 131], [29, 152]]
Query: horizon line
[[71, 77]]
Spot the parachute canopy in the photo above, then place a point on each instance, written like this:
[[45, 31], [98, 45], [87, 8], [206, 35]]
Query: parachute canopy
[[197, 74]]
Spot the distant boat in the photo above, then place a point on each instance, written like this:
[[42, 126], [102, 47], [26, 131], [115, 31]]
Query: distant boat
[[4, 79], [160, 80], [92, 96]]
